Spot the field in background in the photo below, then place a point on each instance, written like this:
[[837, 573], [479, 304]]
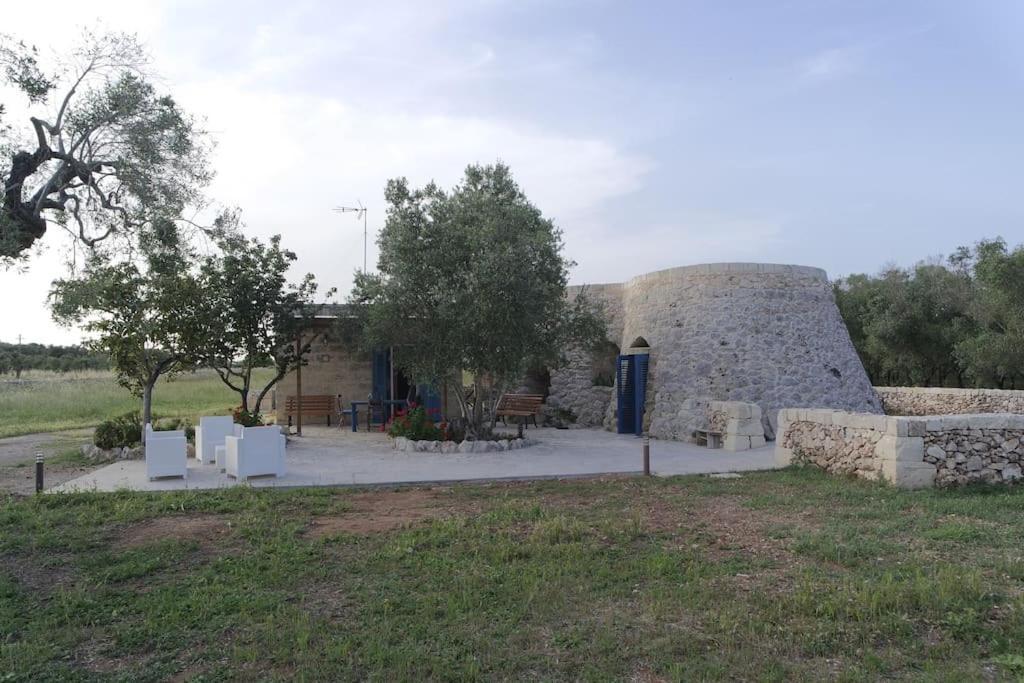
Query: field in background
[[47, 402]]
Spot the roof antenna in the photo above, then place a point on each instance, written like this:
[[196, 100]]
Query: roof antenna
[[360, 211]]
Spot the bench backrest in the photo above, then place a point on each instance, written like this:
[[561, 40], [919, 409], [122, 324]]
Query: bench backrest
[[313, 403], [521, 402]]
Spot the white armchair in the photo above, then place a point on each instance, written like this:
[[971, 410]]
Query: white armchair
[[211, 433], [166, 454], [255, 451]]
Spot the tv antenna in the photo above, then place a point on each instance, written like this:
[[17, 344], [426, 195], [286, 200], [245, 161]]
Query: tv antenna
[[360, 212]]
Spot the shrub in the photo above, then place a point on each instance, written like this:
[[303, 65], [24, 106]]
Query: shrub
[[172, 423], [417, 426], [119, 432], [247, 419]]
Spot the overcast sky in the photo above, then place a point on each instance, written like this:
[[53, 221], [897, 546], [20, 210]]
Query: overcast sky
[[838, 134]]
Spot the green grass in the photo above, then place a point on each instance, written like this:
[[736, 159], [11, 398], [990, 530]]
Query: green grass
[[791, 575], [53, 403]]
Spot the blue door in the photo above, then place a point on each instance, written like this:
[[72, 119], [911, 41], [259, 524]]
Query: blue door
[[626, 395], [381, 378], [631, 392], [640, 394]]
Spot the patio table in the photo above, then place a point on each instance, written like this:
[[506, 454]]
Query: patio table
[[401, 402]]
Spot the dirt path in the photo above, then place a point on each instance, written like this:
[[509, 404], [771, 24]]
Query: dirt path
[[17, 454]]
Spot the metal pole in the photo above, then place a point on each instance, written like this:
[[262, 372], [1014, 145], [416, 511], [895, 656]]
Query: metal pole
[[647, 455], [39, 472], [298, 387], [364, 239]]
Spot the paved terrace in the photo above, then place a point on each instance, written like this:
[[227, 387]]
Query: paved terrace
[[337, 457]]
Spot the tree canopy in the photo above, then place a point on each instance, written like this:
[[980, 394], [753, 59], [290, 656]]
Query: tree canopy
[[101, 153], [139, 311], [956, 321], [472, 279], [252, 317]]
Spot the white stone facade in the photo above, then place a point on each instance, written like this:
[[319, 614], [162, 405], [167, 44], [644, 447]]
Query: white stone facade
[[756, 333]]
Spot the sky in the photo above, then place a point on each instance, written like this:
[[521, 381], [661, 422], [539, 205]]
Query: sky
[[843, 134]]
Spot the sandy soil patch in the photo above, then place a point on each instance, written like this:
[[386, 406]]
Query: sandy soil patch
[[379, 511], [209, 531]]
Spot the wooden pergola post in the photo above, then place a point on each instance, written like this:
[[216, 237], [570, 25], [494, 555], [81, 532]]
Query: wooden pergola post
[[298, 386]]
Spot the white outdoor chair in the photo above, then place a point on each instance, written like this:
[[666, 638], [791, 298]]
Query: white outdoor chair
[[166, 454], [255, 451], [211, 433]]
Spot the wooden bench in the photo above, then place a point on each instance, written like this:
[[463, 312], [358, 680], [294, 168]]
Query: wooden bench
[[522, 406], [313, 405], [706, 437]]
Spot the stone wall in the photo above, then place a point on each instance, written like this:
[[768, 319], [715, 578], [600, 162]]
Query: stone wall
[[909, 452], [572, 385], [941, 401], [755, 333], [975, 448], [332, 369]]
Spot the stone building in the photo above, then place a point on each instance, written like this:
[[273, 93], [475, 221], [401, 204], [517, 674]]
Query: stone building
[[758, 333], [337, 367]]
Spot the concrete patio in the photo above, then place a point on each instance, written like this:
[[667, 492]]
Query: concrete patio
[[337, 457]]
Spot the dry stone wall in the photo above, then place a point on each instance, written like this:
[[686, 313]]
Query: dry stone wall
[[755, 333], [572, 385], [941, 401], [910, 452], [975, 448]]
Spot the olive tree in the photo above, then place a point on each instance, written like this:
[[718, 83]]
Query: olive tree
[[102, 153], [252, 316], [139, 311], [472, 279]]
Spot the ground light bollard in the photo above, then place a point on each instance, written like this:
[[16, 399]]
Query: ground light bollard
[[647, 455], [39, 472]]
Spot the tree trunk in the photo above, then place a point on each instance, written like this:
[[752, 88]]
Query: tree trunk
[[147, 403], [244, 393], [478, 406]]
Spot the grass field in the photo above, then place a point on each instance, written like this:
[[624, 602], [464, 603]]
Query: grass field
[[790, 575], [46, 402]]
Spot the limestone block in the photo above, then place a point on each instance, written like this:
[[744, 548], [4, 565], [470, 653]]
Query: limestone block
[[757, 442], [783, 456], [986, 421], [738, 410], [1011, 473], [950, 422], [735, 442], [746, 427], [900, 448], [936, 452], [908, 475]]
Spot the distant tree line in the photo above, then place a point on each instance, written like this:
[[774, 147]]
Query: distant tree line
[[955, 321], [17, 358]]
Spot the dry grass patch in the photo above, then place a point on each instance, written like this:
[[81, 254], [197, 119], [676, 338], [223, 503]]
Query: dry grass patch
[[208, 531]]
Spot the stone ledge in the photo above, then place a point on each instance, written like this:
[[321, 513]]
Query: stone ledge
[[408, 445]]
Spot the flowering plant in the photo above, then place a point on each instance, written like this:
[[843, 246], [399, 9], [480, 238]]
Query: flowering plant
[[416, 425]]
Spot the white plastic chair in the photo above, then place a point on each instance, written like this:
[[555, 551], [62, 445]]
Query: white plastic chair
[[211, 433], [166, 454], [254, 452]]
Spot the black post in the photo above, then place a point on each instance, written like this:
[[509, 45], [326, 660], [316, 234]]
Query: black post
[[39, 472], [647, 456]]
